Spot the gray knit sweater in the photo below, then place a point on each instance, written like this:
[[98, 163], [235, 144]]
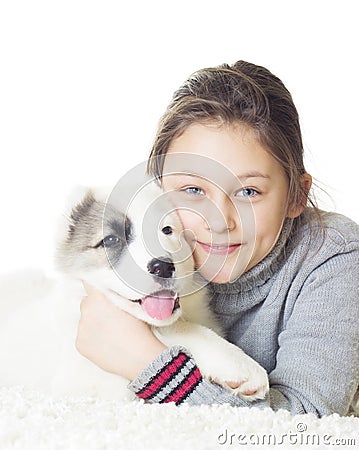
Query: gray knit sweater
[[296, 313]]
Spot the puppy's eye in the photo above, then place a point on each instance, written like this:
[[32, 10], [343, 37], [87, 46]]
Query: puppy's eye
[[108, 241], [167, 230]]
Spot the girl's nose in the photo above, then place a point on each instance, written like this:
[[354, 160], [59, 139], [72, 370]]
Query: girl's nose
[[221, 215]]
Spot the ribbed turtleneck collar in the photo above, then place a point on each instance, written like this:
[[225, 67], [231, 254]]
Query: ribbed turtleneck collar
[[263, 271]]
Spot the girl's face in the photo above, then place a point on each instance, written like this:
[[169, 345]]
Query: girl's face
[[230, 194]]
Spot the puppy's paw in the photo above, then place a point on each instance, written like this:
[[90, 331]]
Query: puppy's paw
[[254, 388], [251, 382]]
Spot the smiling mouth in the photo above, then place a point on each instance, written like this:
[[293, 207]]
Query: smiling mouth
[[160, 304], [219, 249]]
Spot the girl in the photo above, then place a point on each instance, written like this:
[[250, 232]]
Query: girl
[[293, 306]]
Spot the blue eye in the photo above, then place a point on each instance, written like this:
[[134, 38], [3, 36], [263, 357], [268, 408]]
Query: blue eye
[[194, 190], [247, 193]]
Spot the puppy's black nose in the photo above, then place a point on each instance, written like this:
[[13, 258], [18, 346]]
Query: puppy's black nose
[[163, 268]]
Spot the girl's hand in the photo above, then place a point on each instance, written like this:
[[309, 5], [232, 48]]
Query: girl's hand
[[113, 339]]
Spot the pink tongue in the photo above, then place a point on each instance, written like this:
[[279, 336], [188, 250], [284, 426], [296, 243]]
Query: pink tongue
[[158, 307]]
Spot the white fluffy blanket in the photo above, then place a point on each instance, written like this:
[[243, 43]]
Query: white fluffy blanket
[[32, 421]]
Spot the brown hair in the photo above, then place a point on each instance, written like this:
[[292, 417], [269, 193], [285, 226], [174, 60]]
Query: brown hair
[[244, 93]]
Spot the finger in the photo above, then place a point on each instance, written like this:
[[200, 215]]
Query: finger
[[89, 288], [83, 304]]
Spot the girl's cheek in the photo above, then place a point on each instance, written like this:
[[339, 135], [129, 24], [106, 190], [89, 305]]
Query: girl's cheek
[[189, 219]]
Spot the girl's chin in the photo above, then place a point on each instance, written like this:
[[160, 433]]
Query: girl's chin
[[222, 269], [220, 277], [220, 280]]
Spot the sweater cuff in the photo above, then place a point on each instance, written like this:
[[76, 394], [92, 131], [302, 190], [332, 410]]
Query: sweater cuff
[[174, 377], [171, 377]]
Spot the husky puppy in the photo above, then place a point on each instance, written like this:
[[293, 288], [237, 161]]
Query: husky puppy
[[138, 257]]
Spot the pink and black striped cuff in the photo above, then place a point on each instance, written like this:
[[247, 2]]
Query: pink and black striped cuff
[[174, 381]]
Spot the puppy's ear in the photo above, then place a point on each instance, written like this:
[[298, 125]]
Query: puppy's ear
[[75, 197], [82, 194], [78, 198], [74, 200], [81, 209]]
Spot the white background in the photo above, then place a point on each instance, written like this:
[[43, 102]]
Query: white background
[[84, 83]]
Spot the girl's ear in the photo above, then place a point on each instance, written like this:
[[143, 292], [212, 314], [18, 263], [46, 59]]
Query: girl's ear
[[306, 183]]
